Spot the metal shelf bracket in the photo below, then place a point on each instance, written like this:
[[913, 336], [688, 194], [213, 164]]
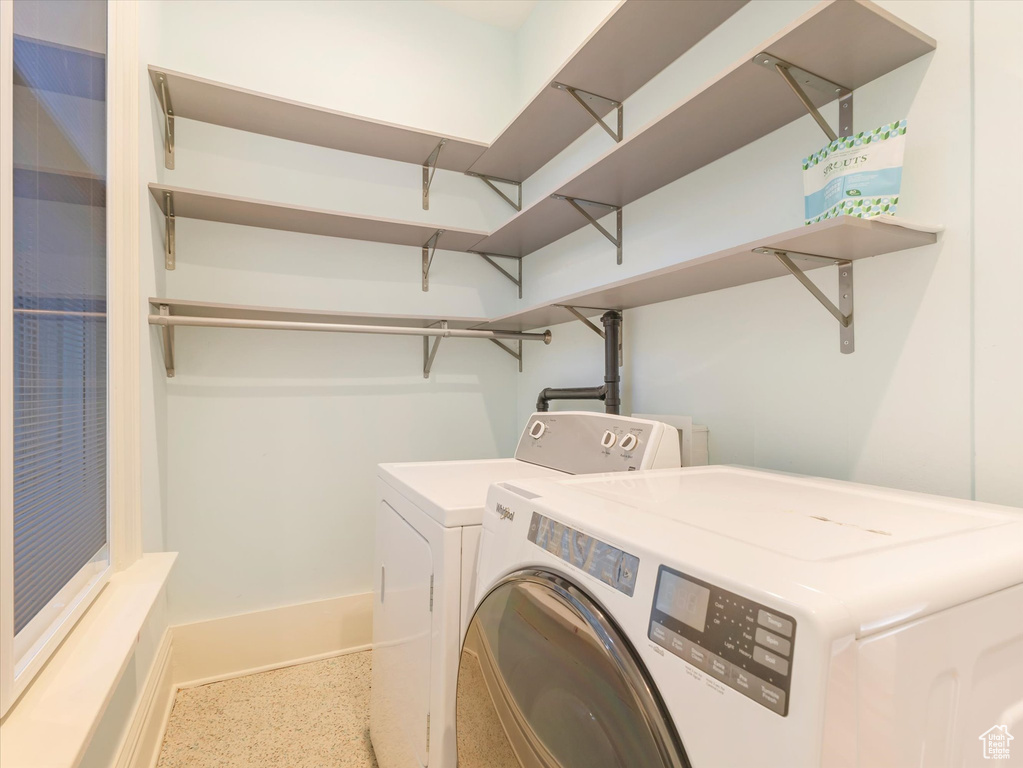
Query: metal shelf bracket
[[797, 79], [430, 168], [489, 181], [587, 100], [844, 311], [578, 204], [512, 352], [168, 121], [430, 352], [584, 320], [429, 249], [489, 258], [167, 333], [169, 234]]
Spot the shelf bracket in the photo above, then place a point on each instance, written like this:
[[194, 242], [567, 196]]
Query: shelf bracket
[[489, 181], [430, 168], [169, 234], [578, 204], [594, 327], [430, 351], [167, 333], [489, 258], [168, 120], [587, 99], [798, 79], [429, 249], [512, 352], [584, 320], [844, 311]]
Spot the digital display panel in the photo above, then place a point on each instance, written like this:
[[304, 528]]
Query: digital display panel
[[683, 600]]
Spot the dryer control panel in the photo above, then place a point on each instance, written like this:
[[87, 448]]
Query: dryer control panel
[[743, 644], [583, 443], [603, 561]]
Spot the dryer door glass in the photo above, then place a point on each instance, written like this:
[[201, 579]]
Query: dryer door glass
[[546, 680]]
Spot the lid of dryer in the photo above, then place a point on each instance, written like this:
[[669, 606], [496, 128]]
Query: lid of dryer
[[454, 492], [799, 517], [888, 556]]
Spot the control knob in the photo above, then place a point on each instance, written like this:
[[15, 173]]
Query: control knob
[[609, 439], [536, 431], [629, 442]]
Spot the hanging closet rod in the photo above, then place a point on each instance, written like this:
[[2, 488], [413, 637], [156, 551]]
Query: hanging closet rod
[[392, 330]]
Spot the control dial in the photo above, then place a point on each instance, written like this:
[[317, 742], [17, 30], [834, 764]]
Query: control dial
[[536, 431], [629, 442], [609, 439]]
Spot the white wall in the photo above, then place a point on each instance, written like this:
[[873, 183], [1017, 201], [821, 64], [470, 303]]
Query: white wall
[[549, 36], [760, 364], [998, 265]]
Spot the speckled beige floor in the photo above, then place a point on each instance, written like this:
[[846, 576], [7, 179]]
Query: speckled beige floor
[[312, 715]]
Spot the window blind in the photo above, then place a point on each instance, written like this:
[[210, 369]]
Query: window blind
[[59, 232]]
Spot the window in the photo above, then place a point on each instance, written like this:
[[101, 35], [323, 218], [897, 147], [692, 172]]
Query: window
[[54, 365]]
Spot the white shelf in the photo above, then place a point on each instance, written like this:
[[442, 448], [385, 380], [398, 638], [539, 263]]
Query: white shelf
[[208, 101], [850, 42], [210, 206], [844, 238], [634, 43], [843, 44]]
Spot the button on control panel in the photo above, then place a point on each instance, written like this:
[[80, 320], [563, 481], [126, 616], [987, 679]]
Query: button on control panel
[[597, 558], [733, 639]]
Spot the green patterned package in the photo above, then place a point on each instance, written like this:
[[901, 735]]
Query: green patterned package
[[855, 175]]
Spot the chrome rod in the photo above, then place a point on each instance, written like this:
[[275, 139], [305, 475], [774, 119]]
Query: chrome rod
[[390, 330]]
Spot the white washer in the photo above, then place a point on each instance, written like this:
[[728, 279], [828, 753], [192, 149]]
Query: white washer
[[719, 617], [428, 528]]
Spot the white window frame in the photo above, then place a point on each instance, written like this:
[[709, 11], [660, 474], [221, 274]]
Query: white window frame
[[20, 663]]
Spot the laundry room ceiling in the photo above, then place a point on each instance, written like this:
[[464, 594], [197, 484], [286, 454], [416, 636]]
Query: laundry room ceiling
[[509, 14]]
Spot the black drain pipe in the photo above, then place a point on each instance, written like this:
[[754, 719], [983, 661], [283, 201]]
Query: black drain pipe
[[610, 393]]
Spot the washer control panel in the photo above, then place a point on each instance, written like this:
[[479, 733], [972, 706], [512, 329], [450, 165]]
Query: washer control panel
[[743, 644], [585, 443], [607, 563]]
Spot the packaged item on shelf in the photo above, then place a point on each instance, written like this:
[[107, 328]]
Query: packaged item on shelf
[[855, 175]]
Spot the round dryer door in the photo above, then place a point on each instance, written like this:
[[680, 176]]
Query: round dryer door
[[546, 680]]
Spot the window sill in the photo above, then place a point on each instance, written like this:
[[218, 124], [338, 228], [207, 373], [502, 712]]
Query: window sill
[[51, 725]]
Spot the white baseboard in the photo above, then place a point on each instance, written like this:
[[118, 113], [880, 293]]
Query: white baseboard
[[142, 742], [219, 649], [234, 646]]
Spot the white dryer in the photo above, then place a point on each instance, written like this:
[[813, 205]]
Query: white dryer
[[427, 535], [725, 617]]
